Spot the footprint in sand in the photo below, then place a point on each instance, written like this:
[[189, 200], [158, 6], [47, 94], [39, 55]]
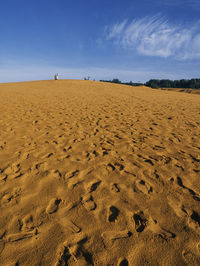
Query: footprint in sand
[[110, 167], [155, 228], [194, 220], [53, 206], [68, 224], [88, 202], [71, 174], [72, 183], [11, 197], [119, 166], [12, 169], [91, 187], [3, 177], [73, 253], [2, 245], [63, 257], [140, 221], [177, 206], [21, 236], [110, 236], [122, 262], [115, 187], [190, 258], [27, 223], [113, 214], [143, 186]]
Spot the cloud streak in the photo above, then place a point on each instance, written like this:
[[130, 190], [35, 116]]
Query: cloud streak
[[155, 36]]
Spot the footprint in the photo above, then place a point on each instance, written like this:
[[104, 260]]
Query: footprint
[[177, 206], [2, 245], [198, 247], [27, 223], [110, 167], [110, 236], [143, 186], [119, 166], [67, 223], [194, 220], [122, 262], [73, 183], [47, 155], [92, 187], [140, 221], [11, 197], [12, 169], [154, 227], [80, 255], [73, 253], [53, 206], [194, 194], [71, 174], [190, 258], [115, 187], [3, 177], [63, 256], [88, 202], [20, 236], [113, 214]]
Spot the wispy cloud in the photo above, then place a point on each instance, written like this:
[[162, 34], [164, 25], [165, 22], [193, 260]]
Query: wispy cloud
[[155, 36]]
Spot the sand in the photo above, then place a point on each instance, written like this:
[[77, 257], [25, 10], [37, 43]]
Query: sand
[[96, 173]]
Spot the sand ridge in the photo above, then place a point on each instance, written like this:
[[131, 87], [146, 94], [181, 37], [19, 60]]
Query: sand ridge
[[95, 173]]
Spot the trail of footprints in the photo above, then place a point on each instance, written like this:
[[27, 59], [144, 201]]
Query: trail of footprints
[[141, 221], [73, 251]]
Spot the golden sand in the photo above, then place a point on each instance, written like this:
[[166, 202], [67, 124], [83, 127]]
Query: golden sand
[[98, 174]]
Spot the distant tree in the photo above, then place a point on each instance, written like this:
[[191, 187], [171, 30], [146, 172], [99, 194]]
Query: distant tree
[[116, 80], [166, 83]]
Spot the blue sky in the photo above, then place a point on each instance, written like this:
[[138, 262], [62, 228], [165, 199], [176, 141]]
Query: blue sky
[[131, 39]]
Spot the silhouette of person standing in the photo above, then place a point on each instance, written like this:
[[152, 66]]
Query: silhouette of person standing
[[56, 76]]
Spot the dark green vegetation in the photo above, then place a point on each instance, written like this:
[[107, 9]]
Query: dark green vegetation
[[124, 83], [163, 83]]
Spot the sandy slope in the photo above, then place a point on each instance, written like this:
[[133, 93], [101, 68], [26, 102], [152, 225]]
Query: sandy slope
[[98, 174]]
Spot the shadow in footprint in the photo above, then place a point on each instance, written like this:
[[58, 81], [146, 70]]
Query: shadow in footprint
[[115, 187], [123, 262], [64, 257], [94, 186], [114, 212], [140, 222], [180, 183], [196, 217], [53, 206]]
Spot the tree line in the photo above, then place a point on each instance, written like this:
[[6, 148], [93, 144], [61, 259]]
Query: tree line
[[163, 83], [124, 83]]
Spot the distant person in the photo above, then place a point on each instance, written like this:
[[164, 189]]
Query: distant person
[[56, 76]]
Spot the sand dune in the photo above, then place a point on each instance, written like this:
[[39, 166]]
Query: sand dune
[[98, 174]]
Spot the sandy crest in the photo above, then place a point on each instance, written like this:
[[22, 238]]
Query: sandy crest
[[98, 174]]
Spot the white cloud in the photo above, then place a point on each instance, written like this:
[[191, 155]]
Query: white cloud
[[155, 36], [116, 29]]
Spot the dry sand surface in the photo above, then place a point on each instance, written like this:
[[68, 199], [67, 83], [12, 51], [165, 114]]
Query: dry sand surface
[[98, 174]]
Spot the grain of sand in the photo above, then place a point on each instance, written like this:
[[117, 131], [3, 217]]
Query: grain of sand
[[98, 174]]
